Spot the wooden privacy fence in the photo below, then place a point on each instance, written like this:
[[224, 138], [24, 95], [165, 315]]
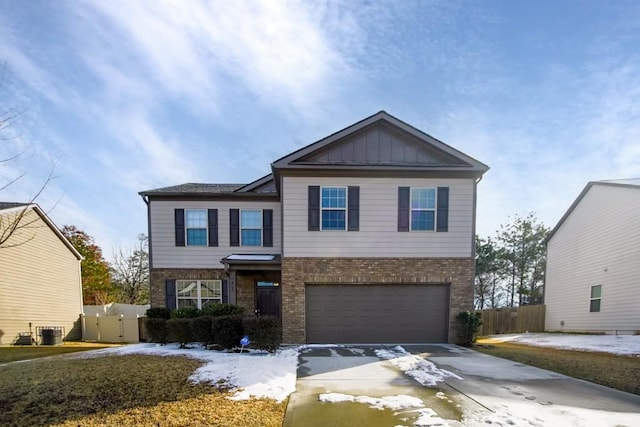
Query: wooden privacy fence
[[528, 318]]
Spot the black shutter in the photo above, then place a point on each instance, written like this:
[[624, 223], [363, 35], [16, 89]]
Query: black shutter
[[234, 227], [267, 227], [314, 208], [443, 209], [213, 227], [353, 213], [170, 294], [225, 291], [403, 208], [179, 224]]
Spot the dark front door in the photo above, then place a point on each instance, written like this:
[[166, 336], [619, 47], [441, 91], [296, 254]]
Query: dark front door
[[267, 300]]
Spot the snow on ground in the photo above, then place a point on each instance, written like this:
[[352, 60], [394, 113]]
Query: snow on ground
[[252, 373], [423, 371], [400, 401], [616, 344], [264, 375]]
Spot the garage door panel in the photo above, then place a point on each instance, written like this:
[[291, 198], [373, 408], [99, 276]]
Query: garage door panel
[[377, 313]]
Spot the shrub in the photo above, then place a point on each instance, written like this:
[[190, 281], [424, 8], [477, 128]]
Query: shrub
[[265, 332], [157, 329], [227, 331], [185, 313], [217, 309], [469, 325], [201, 328], [180, 331], [159, 313]]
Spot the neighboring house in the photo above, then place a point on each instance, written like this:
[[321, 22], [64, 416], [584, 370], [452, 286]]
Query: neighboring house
[[40, 283], [593, 261], [366, 236]]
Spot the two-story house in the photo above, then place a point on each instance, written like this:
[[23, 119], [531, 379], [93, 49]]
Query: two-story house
[[365, 236]]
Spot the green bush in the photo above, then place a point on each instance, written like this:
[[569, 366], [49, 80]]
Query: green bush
[[265, 332], [185, 313], [217, 309], [157, 329], [469, 325], [201, 328], [159, 313], [180, 331], [227, 331]]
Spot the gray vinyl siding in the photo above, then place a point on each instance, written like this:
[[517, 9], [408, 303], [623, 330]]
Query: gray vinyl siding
[[167, 255], [39, 282], [597, 244], [378, 235]]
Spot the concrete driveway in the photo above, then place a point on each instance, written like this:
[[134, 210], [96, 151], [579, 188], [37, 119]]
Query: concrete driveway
[[362, 389]]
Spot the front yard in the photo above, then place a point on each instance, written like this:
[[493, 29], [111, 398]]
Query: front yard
[[124, 389], [618, 371]]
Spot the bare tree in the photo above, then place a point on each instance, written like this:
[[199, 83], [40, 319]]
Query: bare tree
[[18, 223], [130, 273]]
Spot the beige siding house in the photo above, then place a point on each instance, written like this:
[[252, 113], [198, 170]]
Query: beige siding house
[[365, 236], [593, 262], [40, 283]]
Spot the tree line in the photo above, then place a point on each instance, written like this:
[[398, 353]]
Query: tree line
[[510, 266], [124, 280]]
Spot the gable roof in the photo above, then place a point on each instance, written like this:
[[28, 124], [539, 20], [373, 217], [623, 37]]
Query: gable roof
[[633, 183], [380, 142], [7, 208]]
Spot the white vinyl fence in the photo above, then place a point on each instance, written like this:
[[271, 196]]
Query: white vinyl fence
[[114, 323]]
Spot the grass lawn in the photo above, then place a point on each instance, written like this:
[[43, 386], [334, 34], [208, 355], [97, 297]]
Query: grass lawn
[[619, 372], [122, 390], [15, 353]]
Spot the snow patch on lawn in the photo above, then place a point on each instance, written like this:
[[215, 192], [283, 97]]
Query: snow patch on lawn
[[254, 374], [627, 345], [423, 371]]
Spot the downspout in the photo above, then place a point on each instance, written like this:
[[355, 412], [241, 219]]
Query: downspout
[[147, 202], [473, 238]]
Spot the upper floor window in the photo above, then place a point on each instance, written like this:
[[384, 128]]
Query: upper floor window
[[251, 227], [595, 298], [334, 208], [423, 208], [198, 293], [196, 225]]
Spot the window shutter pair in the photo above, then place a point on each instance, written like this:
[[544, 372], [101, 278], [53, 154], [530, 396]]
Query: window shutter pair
[[442, 208], [212, 219], [353, 208], [267, 227], [170, 299]]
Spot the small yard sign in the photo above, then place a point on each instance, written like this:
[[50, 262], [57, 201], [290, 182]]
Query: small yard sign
[[244, 342]]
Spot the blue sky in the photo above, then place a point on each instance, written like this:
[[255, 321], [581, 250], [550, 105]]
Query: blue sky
[[125, 96]]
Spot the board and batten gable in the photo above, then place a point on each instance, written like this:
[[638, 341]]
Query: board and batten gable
[[40, 281], [378, 235], [597, 243], [166, 254]]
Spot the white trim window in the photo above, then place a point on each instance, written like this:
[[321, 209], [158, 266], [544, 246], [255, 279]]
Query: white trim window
[[595, 298], [198, 293], [196, 227], [333, 207], [251, 227], [423, 209]]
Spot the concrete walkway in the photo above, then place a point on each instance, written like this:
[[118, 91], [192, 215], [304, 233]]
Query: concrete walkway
[[490, 391]]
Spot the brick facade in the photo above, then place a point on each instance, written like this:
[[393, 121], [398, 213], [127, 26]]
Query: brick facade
[[296, 272], [245, 283]]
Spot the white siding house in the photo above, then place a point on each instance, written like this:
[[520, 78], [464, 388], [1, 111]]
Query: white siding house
[[40, 283], [593, 262]]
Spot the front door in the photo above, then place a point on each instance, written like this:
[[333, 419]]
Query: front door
[[268, 299]]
